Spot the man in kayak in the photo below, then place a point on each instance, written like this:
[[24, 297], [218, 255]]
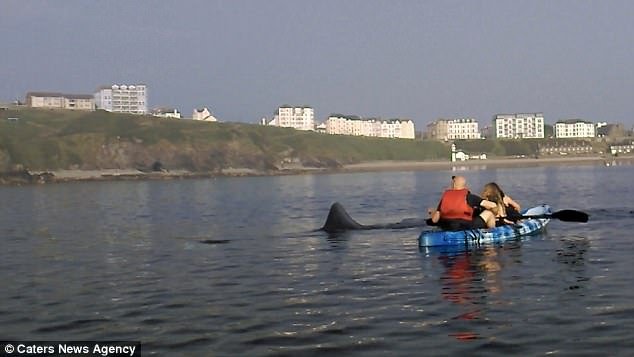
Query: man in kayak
[[455, 211]]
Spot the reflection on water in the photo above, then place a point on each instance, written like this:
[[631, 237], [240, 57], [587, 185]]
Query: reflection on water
[[235, 267], [470, 280]]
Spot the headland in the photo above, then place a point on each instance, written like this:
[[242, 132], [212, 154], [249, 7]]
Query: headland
[[42, 146]]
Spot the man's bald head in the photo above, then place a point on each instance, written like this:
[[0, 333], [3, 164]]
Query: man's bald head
[[459, 182]]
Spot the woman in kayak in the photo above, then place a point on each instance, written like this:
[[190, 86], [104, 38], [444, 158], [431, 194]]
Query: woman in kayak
[[506, 210]]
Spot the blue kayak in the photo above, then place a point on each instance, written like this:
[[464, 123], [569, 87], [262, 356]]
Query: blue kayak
[[528, 226]]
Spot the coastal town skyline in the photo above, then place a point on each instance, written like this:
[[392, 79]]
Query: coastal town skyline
[[420, 61]]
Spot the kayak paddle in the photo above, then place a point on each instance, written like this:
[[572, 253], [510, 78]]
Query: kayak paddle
[[566, 215]]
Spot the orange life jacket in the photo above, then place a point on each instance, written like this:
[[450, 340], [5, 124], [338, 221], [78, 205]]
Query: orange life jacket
[[453, 205]]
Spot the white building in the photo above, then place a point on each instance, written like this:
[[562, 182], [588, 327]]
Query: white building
[[357, 126], [575, 128], [321, 128], [452, 129], [166, 113], [122, 98], [53, 100], [203, 114], [622, 149], [519, 126], [300, 118]]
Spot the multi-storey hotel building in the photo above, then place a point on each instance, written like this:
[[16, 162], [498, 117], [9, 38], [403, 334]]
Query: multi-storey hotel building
[[355, 125], [300, 118], [451, 129], [518, 126], [122, 98], [574, 128]]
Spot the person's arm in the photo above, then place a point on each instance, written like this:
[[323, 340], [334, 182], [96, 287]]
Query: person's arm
[[508, 201], [488, 204], [512, 214], [475, 201], [435, 217], [434, 214]]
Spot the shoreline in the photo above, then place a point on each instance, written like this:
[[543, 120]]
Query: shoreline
[[485, 164], [59, 176]]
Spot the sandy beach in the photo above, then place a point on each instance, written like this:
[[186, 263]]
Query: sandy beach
[[489, 163], [371, 166]]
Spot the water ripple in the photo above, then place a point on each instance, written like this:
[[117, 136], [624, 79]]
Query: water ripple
[[235, 267]]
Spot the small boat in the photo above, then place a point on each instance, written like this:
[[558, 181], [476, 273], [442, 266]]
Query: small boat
[[470, 237]]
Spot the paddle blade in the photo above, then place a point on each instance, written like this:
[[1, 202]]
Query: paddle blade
[[570, 215]]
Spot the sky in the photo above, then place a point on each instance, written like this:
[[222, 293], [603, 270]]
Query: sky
[[420, 60]]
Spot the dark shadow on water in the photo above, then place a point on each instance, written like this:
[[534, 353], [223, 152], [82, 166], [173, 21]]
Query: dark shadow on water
[[338, 240], [572, 256], [610, 214], [572, 251], [214, 241], [204, 240]]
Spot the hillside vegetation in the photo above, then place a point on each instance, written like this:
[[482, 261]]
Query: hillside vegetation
[[42, 140], [56, 139]]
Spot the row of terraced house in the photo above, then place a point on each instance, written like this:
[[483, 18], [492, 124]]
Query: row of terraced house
[[510, 126], [303, 118]]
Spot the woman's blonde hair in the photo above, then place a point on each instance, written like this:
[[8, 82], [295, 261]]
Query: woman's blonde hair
[[493, 193]]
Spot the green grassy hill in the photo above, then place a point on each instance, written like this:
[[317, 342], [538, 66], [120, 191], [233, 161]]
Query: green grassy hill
[[57, 139]]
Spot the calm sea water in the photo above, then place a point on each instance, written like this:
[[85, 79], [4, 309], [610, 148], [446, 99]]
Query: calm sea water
[[232, 266]]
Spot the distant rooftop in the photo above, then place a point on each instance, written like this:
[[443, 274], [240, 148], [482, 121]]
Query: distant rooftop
[[520, 115], [296, 106], [119, 86], [349, 117], [573, 121], [459, 120], [164, 110], [59, 95], [377, 119]]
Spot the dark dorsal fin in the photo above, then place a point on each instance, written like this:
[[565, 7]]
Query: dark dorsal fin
[[339, 220]]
